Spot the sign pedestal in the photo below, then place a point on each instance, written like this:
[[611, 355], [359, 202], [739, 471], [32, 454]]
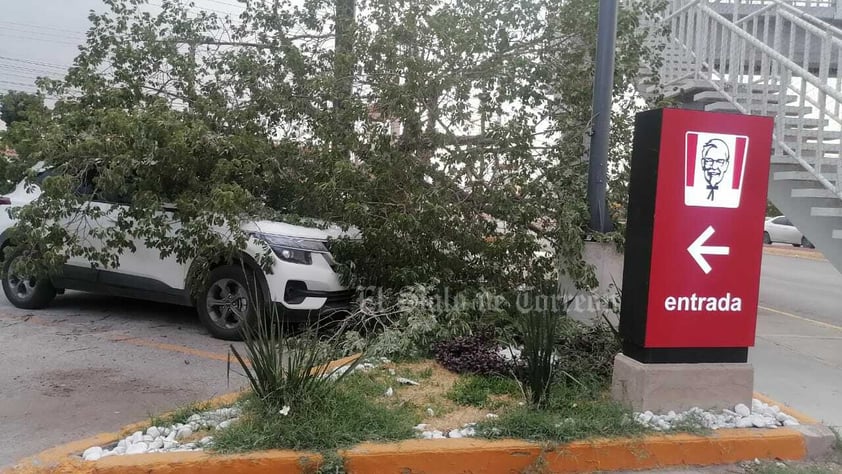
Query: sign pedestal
[[680, 387], [691, 276]]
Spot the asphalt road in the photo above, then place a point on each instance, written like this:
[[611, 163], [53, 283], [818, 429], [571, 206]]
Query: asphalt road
[[798, 352], [92, 363]]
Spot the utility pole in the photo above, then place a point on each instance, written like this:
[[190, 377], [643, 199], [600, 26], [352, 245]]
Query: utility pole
[[602, 93], [343, 66]]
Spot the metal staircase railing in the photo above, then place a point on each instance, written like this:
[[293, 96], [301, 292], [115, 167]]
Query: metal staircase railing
[[770, 59]]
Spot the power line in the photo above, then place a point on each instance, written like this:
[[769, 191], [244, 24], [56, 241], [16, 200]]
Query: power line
[[37, 63], [43, 27], [36, 31], [39, 39]]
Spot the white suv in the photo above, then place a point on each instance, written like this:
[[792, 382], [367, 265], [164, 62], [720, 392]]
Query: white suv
[[301, 281]]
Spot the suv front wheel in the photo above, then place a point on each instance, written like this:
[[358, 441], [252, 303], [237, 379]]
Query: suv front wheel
[[23, 291], [228, 301]]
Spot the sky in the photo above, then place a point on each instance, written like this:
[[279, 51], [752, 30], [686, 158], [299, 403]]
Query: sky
[[41, 37]]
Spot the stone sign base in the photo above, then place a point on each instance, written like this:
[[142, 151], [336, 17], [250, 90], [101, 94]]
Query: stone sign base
[[679, 387]]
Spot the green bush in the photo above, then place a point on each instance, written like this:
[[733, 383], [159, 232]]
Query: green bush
[[586, 352]]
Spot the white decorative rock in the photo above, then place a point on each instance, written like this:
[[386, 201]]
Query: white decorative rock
[[170, 445], [438, 434], [157, 443], [430, 412], [206, 440], [421, 427], [758, 421], [119, 450], [744, 423], [792, 422], [454, 434], [389, 392], [146, 438], [492, 415], [171, 436], [184, 432], [224, 424], [406, 381], [92, 454], [742, 410], [468, 432], [122, 444], [193, 418], [153, 431], [137, 448]]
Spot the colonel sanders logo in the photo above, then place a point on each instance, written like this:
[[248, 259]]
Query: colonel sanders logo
[[715, 166]]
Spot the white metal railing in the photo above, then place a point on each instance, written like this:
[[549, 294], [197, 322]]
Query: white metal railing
[[756, 61]]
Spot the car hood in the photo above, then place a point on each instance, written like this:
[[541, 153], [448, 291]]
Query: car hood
[[288, 230]]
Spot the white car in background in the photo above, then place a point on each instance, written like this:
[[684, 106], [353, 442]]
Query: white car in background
[[301, 282], [780, 230]]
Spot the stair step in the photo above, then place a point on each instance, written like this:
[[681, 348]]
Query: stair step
[[828, 166], [789, 110], [682, 87], [814, 146], [813, 193], [811, 133], [837, 234], [743, 98], [806, 123], [826, 211], [801, 176]]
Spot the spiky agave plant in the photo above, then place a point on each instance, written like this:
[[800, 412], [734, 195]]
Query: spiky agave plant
[[282, 369]]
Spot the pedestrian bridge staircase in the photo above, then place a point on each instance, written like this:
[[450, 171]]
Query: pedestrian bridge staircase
[[767, 57]]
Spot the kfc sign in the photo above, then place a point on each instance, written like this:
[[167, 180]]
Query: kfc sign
[[697, 200], [714, 166]]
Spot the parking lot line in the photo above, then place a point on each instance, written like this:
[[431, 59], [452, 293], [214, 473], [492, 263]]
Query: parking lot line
[[802, 318], [136, 341]]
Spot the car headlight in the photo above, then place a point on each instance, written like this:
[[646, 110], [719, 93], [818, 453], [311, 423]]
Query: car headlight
[[290, 249], [293, 255]]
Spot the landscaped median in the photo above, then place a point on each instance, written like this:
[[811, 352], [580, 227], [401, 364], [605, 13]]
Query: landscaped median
[[475, 407], [458, 455]]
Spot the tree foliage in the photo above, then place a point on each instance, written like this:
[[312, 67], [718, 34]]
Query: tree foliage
[[449, 132], [16, 106]]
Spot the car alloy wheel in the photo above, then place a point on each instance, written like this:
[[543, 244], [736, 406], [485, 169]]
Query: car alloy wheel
[[24, 288], [227, 303]]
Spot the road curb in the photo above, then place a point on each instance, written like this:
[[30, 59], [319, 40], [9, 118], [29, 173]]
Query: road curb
[[724, 446]]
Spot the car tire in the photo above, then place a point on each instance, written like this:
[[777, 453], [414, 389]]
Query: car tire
[[26, 293], [806, 243], [767, 239], [228, 301]]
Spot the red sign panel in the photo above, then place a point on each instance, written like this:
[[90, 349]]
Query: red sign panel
[[710, 203]]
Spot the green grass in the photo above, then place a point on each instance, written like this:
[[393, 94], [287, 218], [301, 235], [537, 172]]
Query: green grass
[[570, 413], [475, 390], [355, 411], [180, 415]]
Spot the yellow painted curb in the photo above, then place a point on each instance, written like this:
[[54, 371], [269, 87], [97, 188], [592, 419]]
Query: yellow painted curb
[[794, 252], [504, 456], [802, 418]]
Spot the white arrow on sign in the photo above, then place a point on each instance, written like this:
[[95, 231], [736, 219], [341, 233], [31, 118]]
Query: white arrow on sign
[[698, 249]]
